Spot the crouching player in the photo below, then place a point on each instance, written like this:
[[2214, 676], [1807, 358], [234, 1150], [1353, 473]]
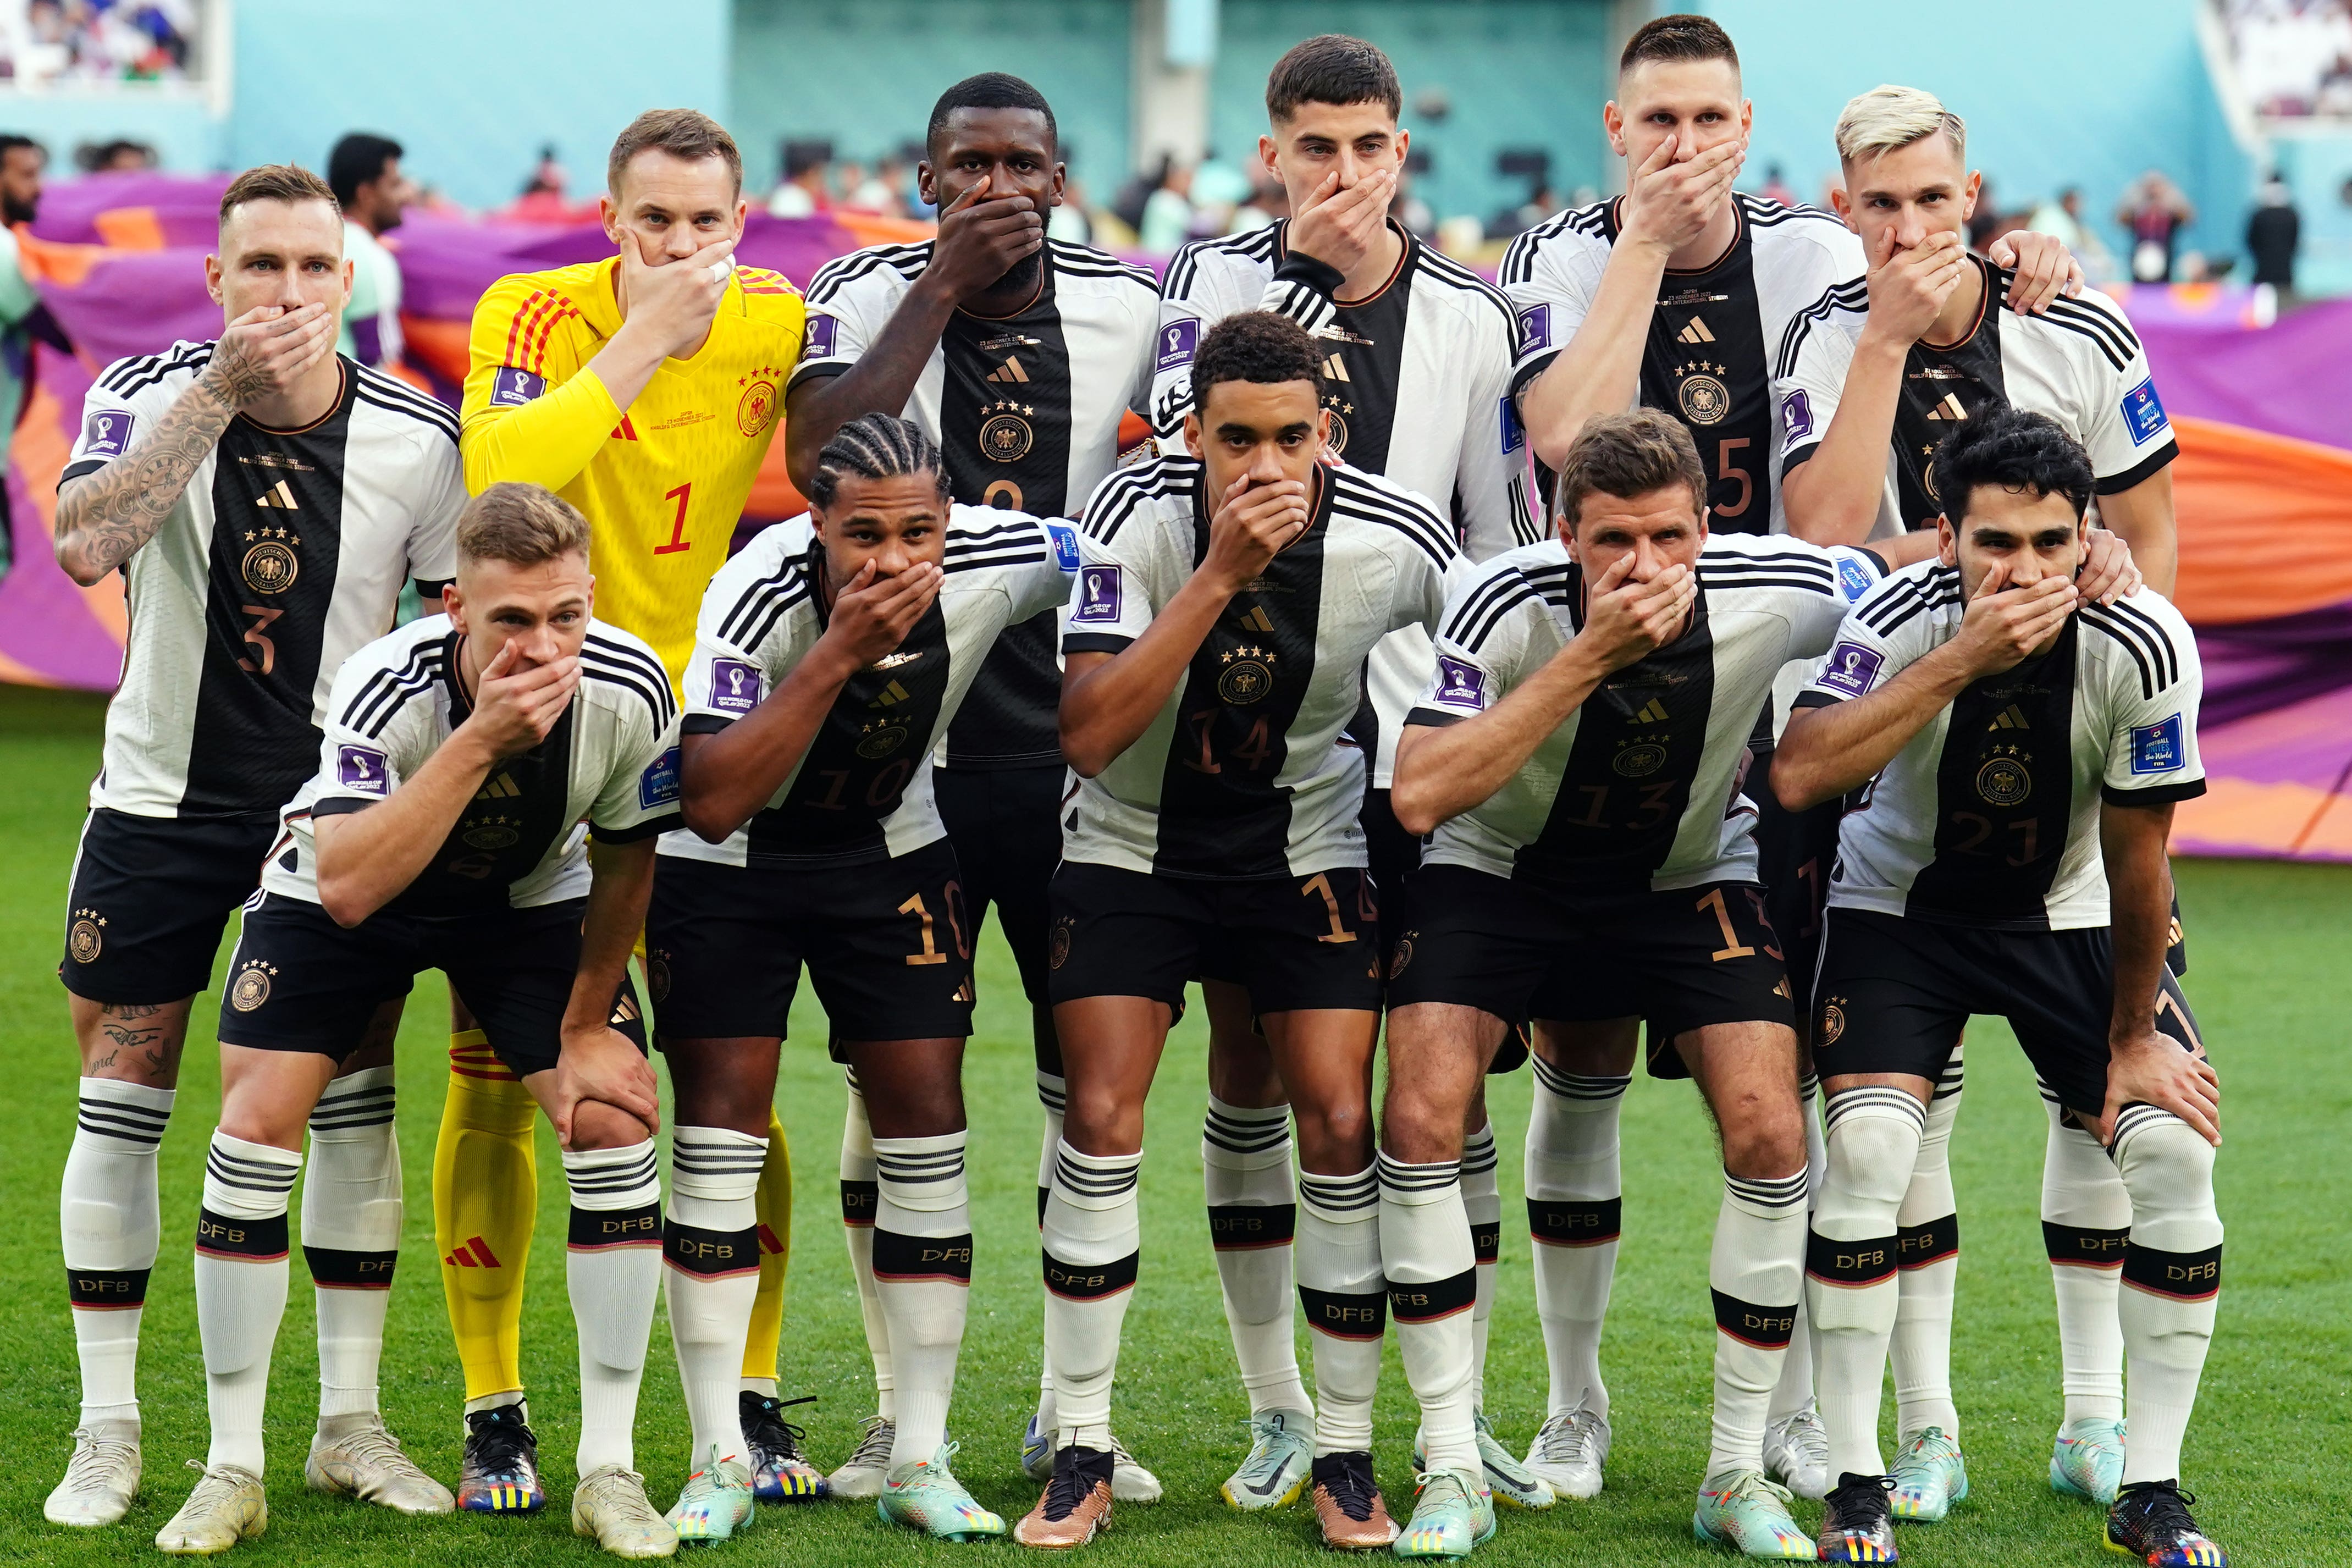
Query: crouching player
[[2027, 747], [461, 753], [832, 654]]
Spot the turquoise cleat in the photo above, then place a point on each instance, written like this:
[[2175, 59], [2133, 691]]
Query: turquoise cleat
[[1453, 1513], [1741, 1509], [925, 1495], [715, 1502], [2088, 1461], [1929, 1477]]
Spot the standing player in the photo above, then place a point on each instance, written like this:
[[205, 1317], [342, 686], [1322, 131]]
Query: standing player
[[832, 654], [1018, 358], [644, 390], [1579, 758], [1215, 653], [1417, 378], [461, 755], [2027, 748], [1676, 296], [1871, 381], [264, 499], [364, 172]]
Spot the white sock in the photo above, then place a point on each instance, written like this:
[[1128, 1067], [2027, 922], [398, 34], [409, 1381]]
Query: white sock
[[1093, 1234], [922, 1273], [1432, 1277], [352, 1214], [1754, 1273], [1574, 1202], [241, 1287], [613, 1268], [1245, 1154], [711, 1244], [1929, 1257], [2172, 1280], [1794, 1390], [1482, 1201], [1851, 1262], [1346, 1304], [1053, 1093], [860, 1195], [110, 1221], [2086, 1219]]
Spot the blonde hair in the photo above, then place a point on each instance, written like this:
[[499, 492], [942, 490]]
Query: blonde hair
[[288, 182], [523, 525], [686, 134], [1887, 118]]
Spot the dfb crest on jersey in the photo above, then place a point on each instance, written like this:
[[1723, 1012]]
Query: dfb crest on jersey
[[1704, 399], [2003, 779]]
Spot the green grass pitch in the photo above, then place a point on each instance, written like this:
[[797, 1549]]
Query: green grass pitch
[[2268, 945]]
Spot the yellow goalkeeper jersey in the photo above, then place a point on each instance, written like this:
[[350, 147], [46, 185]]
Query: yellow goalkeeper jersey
[[663, 484]]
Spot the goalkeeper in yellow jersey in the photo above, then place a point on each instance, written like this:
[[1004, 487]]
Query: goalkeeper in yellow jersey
[[644, 390]]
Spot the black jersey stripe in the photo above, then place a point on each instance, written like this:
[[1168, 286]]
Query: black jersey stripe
[[1773, 557], [1255, 245], [2151, 649], [2105, 317], [1085, 261], [130, 377], [1016, 555], [841, 271], [1853, 294], [1352, 498], [437, 418], [1518, 262], [2167, 656], [1714, 584], [2090, 327], [1026, 529], [634, 667], [1115, 500], [1762, 214], [1888, 625], [388, 691], [610, 672], [1439, 267], [1475, 620], [400, 391], [2129, 642], [762, 601]]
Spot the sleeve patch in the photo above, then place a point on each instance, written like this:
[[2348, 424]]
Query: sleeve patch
[[1534, 329], [1098, 588], [513, 386], [657, 785], [1796, 414], [1851, 670], [1177, 342], [106, 433], [2157, 748], [734, 686], [1065, 545], [1515, 435], [1852, 576], [1460, 683], [818, 337], [2143, 413], [361, 768]]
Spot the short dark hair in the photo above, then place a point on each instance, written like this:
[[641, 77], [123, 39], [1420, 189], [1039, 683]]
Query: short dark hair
[[1625, 456], [1255, 346], [1675, 39], [275, 182], [2022, 452], [10, 141], [875, 447], [686, 134], [1332, 69], [358, 160], [989, 89]]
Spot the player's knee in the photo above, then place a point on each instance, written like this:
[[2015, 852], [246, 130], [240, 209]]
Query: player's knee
[[1874, 1145], [1097, 1121], [597, 1125], [2167, 1166], [1334, 1136], [1763, 1134]]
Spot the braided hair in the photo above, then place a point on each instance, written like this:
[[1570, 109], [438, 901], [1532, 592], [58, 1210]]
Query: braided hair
[[875, 447]]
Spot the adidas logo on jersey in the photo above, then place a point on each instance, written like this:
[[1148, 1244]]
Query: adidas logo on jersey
[[279, 497], [1335, 368], [1257, 620], [1010, 370], [891, 696], [1652, 712], [478, 1257], [2010, 717], [1695, 332], [500, 787], [1949, 407]]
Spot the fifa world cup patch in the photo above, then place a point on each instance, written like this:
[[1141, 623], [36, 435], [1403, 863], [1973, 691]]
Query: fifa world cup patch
[[2143, 412], [361, 768], [512, 386], [1065, 545], [818, 336], [658, 783], [2157, 748], [734, 686], [1851, 670], [1461, 684], [1535, 328], [1796, 414], [1098, 589], [106, 433], [1177, 342]]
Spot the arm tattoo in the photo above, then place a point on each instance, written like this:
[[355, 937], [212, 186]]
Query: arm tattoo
[[104, 517]]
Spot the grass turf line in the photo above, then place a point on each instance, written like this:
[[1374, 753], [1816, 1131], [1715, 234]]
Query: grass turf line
[[2271, 1434]]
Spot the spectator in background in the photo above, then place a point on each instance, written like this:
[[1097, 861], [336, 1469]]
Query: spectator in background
[[1071, 222], [1128, 206], [805, 193], [546, 177], [2272, 234], [877, 193], [2063, 219], [364, 172], [1268, 203], [2155, 211], [1168, 211], [1777, 188], [22, 163], [1984, 221], [119, 156]]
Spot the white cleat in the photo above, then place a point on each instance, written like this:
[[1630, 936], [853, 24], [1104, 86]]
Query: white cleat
[[862, 1474], [354, 1456], [226, 1507], [1797, 1453], [1570, 1453], [610, 1507], [1129, 1481], [101, 1478]]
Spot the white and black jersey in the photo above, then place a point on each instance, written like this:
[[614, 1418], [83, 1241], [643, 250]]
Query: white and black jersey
[[1243, 774], [2079, 363], [285, 555], [1640, 787], [610, 764], [1418, 385], [862, 791], [1026, 410], [1714, 332], [1990, 817]]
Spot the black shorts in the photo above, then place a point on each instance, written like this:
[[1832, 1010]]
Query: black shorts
[[1395, 856], [151, 898], [1794, 853], [298, 982], [1893, 993], [1005, 825], [1683, 960], [887, 941], [1297, 944]]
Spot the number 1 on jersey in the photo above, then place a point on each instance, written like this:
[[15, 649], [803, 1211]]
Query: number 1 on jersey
[[677, 539]]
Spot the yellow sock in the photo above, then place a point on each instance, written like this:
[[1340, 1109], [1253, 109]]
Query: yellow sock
[[774, 1205], [484, 1199]]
